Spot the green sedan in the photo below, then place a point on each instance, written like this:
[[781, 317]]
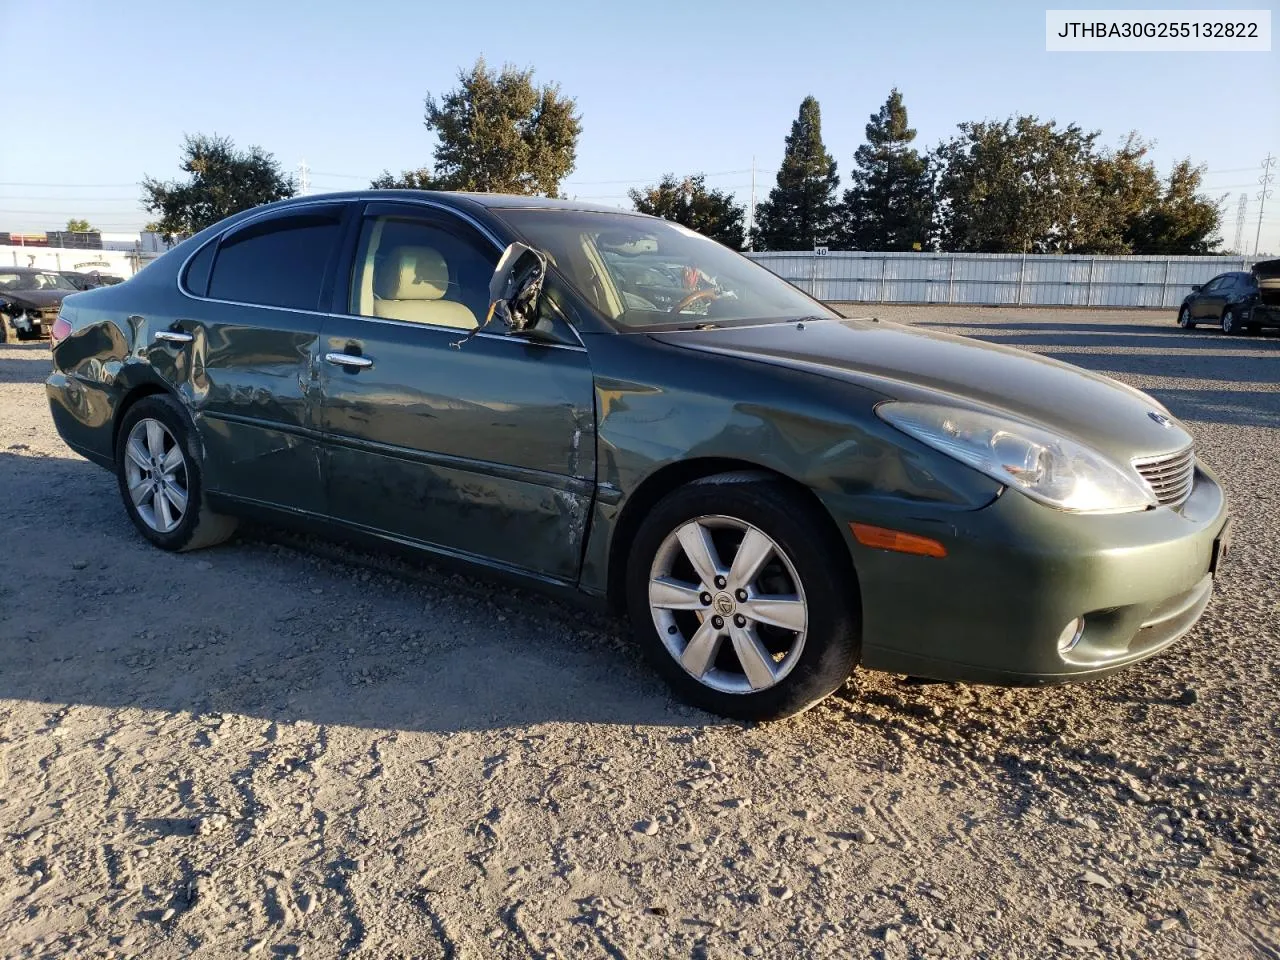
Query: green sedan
[[616, 409]]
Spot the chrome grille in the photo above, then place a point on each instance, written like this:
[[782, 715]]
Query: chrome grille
[[1169, 476]]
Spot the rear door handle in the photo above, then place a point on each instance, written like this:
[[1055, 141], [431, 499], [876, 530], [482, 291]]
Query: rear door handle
[[173, 336], [348, 360]]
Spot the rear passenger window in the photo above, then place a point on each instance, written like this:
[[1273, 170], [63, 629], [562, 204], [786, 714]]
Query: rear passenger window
[[279, 262]]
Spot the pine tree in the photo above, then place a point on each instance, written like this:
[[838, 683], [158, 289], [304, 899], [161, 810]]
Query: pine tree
[[890, 204], [801, 210]]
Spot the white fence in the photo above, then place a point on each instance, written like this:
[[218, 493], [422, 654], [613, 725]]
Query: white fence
[[997, 278]]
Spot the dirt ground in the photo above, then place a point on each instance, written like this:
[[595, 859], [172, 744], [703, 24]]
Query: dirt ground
[[281, 748]]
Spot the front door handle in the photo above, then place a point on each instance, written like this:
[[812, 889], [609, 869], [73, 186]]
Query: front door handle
[[348, 360], [173, 336]]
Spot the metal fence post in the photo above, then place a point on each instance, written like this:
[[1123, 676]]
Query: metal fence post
[[884, 268], [951, 279], [1022, 273], [1088, 290], [1164, 284]]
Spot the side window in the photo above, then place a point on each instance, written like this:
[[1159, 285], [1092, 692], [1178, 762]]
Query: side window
[[421, 271], [278, 262], [196, 279], [1213, 285]]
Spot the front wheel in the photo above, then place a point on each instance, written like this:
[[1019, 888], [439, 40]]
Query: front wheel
[[1184, 319], [1230, 323], [739, 594], [161, 481]]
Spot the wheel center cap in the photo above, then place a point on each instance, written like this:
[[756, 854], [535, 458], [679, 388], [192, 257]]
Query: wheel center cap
[[724, 604]]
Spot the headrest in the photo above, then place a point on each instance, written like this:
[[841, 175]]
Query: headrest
[[412, 273]]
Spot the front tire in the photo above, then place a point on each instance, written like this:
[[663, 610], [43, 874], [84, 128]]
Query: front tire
[[741, 594], [1184, 319], [1230, 323], [160, 478]]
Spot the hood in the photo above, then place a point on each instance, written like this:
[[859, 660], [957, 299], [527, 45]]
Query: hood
[[910, 363], [37, 299]]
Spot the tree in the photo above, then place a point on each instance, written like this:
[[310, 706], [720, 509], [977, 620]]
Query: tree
[[498, 133], [1182, 221], [890, 204], [1018, 186], [77, 225], [422, 179], [801, 209], [223, 181], [689, 202]]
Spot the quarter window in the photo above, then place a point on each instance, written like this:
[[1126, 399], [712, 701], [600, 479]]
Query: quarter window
[[279, 262], [421, 272]]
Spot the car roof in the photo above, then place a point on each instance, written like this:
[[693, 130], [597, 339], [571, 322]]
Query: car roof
[[491, 201], [26, 269]]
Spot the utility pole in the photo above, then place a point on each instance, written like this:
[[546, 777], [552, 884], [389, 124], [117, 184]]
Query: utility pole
[[1267, 177], [304, 178], [1240, 209], [751, 210]]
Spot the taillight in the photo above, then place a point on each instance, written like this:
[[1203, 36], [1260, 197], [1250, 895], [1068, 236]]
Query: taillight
[[61, 330]]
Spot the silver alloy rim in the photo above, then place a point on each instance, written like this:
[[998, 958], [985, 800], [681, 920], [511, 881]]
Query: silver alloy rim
[[1228, 319], [718, 579], [1185, 317], [156, 473]]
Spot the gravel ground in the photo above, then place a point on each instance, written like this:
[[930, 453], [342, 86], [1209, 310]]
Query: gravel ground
[[282, 748]]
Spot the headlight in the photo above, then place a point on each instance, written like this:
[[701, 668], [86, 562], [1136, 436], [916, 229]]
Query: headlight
[[1043, 465]]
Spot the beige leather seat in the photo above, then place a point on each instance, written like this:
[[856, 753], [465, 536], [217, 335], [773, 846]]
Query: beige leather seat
[[410, 284]]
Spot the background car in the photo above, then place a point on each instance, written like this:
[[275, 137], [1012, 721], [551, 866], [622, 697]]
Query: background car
[[91, 279], [30, 299], [1228, 302]]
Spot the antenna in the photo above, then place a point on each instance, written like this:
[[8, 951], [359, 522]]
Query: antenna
[[1240, 209], [1267, 177], [304, 178], [751, 210]]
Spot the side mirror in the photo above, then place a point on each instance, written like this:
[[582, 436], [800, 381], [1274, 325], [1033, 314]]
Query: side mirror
[[516, 287], [1195, 287]]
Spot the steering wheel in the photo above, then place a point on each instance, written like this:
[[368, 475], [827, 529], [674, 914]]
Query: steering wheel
[[691, 299]]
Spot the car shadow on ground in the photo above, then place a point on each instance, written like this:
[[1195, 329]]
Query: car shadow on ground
[[306, 631], [24, 362]]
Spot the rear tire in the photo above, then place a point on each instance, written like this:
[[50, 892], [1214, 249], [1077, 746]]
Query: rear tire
[[756, 664], [8, 332], [1184, 319], [161, 482], [1230, 322]]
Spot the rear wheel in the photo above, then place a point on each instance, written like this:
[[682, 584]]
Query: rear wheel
[[1230, 322], [1184, 319], [739, 596], [8, 332], [160, 478]]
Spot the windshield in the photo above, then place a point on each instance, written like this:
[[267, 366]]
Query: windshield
[[640, 272], [34, 281]]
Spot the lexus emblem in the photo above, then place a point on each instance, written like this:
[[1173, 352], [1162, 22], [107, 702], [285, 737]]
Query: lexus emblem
[[1160, 418]]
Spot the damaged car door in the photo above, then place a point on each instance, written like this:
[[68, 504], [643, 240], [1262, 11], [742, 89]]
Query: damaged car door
[[483, 448], [243, 352]]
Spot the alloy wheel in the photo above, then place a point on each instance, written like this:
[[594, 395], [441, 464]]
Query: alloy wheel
[[1228, 321], [156, 472], [728, 604]]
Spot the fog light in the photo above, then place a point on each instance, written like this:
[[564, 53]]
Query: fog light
[[1070, 635]]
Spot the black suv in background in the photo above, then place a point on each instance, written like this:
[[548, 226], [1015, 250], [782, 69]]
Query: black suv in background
[[1238, 302]]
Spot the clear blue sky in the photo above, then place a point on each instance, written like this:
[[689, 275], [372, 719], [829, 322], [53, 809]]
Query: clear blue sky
[[103, 92]]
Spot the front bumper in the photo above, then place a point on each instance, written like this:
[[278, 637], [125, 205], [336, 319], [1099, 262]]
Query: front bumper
[[1017, 574]]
